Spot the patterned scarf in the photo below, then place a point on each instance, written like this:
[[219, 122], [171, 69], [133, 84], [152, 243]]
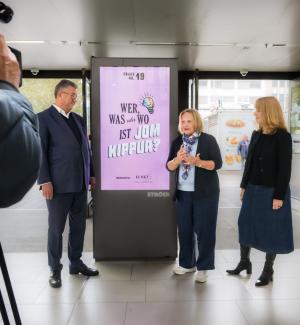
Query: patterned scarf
[[188, 143]]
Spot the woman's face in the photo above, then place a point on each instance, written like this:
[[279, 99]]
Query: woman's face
[[187, 124]]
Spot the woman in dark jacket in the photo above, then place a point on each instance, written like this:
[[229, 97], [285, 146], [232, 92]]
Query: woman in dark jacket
[[195, 157], [265, 220]]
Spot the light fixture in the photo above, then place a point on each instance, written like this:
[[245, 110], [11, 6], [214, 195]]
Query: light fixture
[[26, 42], [180, 44]]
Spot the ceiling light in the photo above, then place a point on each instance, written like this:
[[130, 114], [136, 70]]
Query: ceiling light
[[180, 44], [26, 42]]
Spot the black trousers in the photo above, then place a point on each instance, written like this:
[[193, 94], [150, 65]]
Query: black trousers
[[61, 206], [197, 216]]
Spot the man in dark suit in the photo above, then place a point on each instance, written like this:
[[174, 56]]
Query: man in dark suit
[[64, 177]]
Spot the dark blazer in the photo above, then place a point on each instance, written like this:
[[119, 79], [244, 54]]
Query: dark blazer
[[206, 181], [20, 148], [275, 163], [65, 162]]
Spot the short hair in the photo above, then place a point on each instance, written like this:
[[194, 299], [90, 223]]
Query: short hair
[[198, 124], [272, 116], [63, 84]]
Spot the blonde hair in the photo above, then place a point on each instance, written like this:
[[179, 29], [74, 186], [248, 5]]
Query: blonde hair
[[272, 116], [198, 124]]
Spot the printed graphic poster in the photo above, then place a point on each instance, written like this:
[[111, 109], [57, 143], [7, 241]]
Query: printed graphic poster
[[234, 127], [134, 127], [295, 118]]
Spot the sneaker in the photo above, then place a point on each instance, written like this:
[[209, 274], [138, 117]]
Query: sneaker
[[179, 270], [201, 276]]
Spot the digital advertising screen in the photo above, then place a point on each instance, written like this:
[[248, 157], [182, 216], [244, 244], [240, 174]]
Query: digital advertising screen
[[134, 127]]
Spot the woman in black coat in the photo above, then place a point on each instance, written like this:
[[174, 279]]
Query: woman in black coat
[[195, 157], [265, 220]]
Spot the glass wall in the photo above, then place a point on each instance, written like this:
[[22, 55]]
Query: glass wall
[[216, 95], [295, 132], [40, 93]]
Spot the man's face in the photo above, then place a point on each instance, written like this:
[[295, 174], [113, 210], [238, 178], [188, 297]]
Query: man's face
[[67, 98]]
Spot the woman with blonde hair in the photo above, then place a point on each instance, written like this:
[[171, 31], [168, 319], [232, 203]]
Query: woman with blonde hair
[[195, 157], [265, 220]]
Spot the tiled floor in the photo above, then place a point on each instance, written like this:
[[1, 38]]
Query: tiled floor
[[144, 292], [147, 293]]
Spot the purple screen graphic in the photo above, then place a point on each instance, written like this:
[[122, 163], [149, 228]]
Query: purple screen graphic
[[134, 127]]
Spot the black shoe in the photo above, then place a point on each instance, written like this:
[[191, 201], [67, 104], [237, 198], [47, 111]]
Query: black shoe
[[83, 269], [264, 278], [243, 265], [267, 273], [55, 279]]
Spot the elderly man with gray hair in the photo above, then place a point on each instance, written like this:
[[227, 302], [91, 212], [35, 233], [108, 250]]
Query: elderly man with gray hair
[[65, 175]]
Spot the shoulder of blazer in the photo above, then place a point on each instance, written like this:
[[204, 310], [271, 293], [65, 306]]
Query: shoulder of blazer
[[206, 136], [254, 137], [45, 112], [206, 139], [282, 132]]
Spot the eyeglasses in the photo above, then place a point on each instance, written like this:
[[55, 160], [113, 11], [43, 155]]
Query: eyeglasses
[[74, 96]]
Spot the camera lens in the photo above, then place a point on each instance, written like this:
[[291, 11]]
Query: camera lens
[[6, 13]]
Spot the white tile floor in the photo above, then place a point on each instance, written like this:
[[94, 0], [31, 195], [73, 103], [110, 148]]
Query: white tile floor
[[147, 293]]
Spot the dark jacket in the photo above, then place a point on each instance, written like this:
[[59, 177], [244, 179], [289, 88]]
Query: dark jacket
[[65, 162], [275, 163], [206, 181], [19, 145]]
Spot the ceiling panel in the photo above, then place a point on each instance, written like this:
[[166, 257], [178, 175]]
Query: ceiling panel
[[74, 30]]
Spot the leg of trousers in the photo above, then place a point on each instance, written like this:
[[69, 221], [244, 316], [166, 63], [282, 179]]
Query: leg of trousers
[[59, 207], [77, 223], [205, 211], [184, 213]]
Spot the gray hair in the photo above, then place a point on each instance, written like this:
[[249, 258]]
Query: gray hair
[[63, 84]]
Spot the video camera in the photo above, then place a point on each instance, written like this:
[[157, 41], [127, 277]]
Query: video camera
[[6, 15]]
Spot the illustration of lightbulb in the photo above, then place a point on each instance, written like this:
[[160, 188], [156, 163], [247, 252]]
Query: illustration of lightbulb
[[148, 102]]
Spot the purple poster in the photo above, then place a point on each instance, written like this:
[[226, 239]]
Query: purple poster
[[134, 117]]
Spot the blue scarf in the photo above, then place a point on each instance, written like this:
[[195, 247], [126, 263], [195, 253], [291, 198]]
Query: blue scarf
[[188, 143]]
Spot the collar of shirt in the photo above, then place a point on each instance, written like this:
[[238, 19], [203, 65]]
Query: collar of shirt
[[61, 111]]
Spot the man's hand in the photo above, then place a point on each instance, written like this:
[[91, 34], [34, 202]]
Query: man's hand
[[92, 183], [47, 191], [9, 66]]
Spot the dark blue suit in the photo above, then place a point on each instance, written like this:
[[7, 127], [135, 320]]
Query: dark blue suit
[[66, 163]]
